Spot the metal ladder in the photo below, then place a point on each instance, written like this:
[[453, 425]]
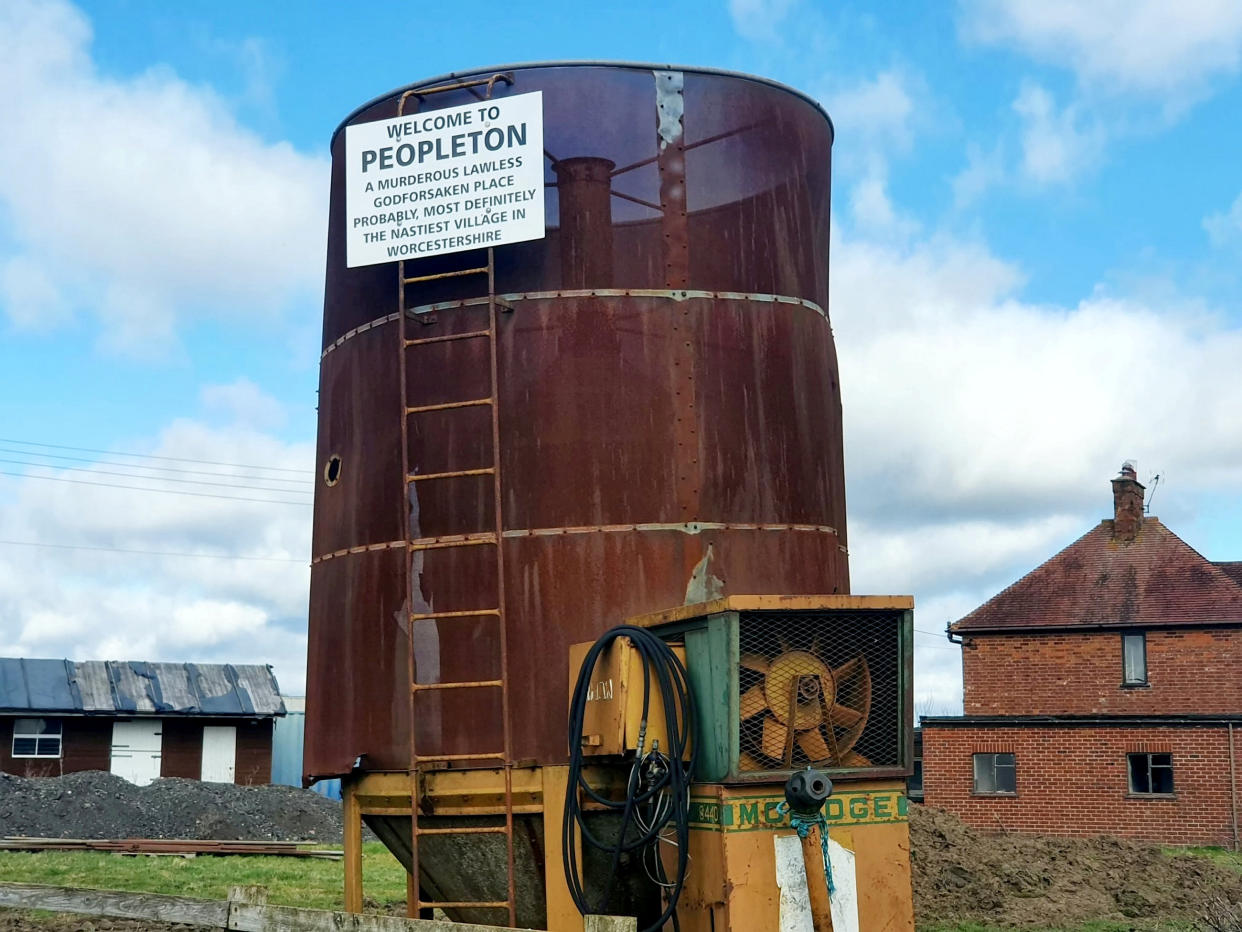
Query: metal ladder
[[504, 755]]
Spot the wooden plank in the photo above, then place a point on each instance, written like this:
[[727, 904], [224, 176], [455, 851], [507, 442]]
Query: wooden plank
[[239, 914], [122, 905], [246, 918], [353, 849]]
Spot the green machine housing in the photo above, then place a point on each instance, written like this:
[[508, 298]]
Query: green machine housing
[[781, 683]]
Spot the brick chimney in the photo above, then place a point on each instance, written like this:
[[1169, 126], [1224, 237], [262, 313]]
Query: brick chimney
[[1127, 503]]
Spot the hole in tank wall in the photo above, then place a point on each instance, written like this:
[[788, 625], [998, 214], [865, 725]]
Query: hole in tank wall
[[332, 471]]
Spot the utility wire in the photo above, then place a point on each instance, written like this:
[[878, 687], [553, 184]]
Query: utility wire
[[150, 553], [136, 488], [150, 456], [175, 469], [131, 475]]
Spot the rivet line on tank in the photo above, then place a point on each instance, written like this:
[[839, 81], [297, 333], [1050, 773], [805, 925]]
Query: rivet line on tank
[[463, 540], [368, 548], [678, 294], [361, 328]]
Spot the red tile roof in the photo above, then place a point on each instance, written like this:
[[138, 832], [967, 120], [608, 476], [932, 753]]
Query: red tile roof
[[1156, 579]]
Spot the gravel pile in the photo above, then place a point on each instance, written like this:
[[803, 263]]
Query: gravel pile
[[93, 804]]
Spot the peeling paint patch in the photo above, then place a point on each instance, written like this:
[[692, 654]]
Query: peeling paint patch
[[670, 106], [703, 586]]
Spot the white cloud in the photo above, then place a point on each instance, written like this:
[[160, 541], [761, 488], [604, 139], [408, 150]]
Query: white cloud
[[243, 402], [984, 170], [111, 602], [759, 20], [879, 112], [1225, 226], [1148, 47], [143, 194], [872, 210], [1055, 146], [981, 430]]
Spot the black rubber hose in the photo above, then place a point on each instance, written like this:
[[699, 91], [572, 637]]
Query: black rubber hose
[[668, 777]]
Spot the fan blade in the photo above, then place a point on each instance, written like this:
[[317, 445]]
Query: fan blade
[[847, 669], [774, 735], [753, 702], [756, 662], [814, 746], [748, 762], [843, 716]]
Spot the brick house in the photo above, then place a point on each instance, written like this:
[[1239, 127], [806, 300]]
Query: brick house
[[138, 720], [1102, 692]]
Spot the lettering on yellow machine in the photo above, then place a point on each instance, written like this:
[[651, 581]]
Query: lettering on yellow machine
[[614, 706]]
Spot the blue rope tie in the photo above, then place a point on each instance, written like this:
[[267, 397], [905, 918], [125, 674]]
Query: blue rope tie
[[801, 822]]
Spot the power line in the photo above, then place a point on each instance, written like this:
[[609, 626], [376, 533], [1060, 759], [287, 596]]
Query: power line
[[152, 553], [130, 475], [151, 456], [176, 469], [135, 488]]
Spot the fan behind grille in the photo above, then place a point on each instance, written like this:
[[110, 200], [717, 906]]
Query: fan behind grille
[[819, 689]]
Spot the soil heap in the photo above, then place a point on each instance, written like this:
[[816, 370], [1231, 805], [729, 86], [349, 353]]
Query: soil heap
[[961, 874]]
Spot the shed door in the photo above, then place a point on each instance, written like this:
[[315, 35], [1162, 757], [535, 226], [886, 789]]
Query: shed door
[[136, 750], [219, 753]]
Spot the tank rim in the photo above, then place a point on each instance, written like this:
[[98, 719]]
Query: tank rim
[[588, 63]]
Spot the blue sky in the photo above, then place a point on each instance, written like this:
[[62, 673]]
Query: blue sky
[[1037, 234]]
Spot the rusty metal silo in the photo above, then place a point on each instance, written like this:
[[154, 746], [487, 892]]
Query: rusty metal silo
[[637, 410]]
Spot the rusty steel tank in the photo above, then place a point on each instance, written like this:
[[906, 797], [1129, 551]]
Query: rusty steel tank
[[653, 413]]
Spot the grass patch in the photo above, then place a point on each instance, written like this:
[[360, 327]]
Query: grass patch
[[308, 882], [1221, 856]]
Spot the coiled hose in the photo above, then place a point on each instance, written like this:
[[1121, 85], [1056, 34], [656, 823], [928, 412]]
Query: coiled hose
[[657, 792]]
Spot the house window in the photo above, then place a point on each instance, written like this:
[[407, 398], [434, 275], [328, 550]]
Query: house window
[[36, 737], [1151, 774], [995, 774], [1134, 659]]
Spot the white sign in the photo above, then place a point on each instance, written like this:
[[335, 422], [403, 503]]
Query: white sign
[[444, 181]]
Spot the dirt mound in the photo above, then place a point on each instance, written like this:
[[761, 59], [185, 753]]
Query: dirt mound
[[961, 874], [93, 804]]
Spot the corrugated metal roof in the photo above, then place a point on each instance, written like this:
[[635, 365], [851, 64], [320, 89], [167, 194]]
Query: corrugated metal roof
[[138, 688]]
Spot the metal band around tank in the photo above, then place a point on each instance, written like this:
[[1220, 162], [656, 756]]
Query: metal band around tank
[[679, 294], [691, 527]]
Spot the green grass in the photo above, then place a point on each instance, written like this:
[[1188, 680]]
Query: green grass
[[1221, 856], [313, 883]]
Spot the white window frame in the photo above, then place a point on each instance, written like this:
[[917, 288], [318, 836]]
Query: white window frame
[[34, 732], [1140, 638], [988, 760]]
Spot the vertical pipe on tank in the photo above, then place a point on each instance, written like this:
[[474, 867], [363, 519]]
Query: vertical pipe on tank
[[584, 189]]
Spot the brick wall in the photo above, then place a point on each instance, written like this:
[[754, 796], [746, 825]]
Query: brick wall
[[1190, 672], [1073, 780]]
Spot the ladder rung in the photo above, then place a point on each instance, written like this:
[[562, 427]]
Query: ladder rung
[[420, 616], [439, 275], [472, 830], [474, 402], [434, 758], [465, 904], [448, 338], [461, 473], [464, 684], [439, 543]]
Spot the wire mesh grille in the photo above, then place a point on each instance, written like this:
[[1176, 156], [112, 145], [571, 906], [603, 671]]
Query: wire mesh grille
[[820, 689]]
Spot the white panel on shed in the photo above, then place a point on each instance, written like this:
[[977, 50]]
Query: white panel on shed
[[136, 750], [219, 753]]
